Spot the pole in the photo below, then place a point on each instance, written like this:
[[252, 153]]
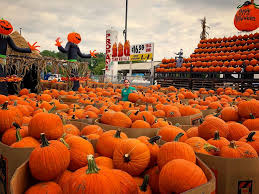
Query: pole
[[126, 20], [20, 31], [130, 69]]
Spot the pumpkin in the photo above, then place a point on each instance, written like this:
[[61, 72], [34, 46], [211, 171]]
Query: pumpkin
[[236, 131], [168, 133], [44, 187], [238, 149], [62, 180], [26, 142], [140, 124], [246, 108], [104, 161], [212, 124], [8, 116], [154, 179], [143, 187], [252, 139], [147, 115], [79, 149], [71, 129], [48, 160], [192, 132], [48, 123], [246, 18], [218, 141], [175, 150], [91, 179], [74, 37], [108, 141], [175, 176], [252, 124], [229, 114], [9, 136], [134, 97], [152, 146], [5, 27], [131, 156], [200, 145], [128, 184], [116, 119], [92, 129]]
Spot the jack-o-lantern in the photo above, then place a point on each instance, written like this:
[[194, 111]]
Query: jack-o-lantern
[[246, 18], [5, 27], [74, 37]]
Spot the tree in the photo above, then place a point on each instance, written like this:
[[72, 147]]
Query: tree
[[204, 33]]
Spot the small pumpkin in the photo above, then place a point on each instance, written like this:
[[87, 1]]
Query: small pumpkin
[[218, 141], [143, 186], [236, 131], [252, 139], [44, 187], [104, 161]]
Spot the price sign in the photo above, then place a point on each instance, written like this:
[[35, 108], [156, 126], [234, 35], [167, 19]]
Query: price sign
[[141, 52]]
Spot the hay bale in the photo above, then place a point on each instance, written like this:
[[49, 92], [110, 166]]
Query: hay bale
[[22, 43]]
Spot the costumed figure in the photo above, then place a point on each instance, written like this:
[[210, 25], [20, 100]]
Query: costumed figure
[[179, 59], [5, 30], [73, 52]]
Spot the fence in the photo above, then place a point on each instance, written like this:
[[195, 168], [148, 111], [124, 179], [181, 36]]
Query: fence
[[119, 79]]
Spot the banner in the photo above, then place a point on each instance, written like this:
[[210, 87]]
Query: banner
[[111, 38], [142, 52]]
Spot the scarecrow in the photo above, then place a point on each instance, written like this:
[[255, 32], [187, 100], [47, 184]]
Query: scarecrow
[[5, 30], [73, 52]]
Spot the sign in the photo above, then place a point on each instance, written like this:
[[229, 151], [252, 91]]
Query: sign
[[142, 52], [121, 52], [111, 38]]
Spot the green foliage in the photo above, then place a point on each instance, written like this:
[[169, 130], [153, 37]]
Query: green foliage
[[54, 54]]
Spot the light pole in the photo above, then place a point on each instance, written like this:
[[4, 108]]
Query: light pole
[[20, 31], [126, 18]]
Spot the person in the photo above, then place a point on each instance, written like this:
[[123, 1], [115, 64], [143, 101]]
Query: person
[[127, 90], [179, 59]]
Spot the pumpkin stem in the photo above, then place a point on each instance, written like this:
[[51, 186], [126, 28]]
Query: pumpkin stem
[[252, 116], [177, 124], [73, 116], [144, 118], [92, 167], [18, 135], [250, 137], [153, 140], [15, 103], [146, 106], [233, 145], [84, 137], [53, 109], [44, 141], [209, 147], [5, 106], [216, 136], [16, 125], [177, 138], [118, 134], [65, 143], [126, 158], [136, 113], [144, 185]]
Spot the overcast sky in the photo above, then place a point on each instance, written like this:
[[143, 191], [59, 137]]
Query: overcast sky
[[170, 24]]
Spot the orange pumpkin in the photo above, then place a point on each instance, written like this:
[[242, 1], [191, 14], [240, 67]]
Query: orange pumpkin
[[74, 37], [5, 27]]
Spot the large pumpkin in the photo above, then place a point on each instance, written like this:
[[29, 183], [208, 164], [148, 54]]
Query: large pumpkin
[[5, 27], [252, 139], [48, 160], [116, 119], [236, 131], [246, 18], [131, 156], [108, 141], [212, 124], [91, 179], [79, 149], [74, 37], [175, 150], [47, 123], [180, 175]]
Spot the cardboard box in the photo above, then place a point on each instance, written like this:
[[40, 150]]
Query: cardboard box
[[130, 132], [186, 120], [22, 180], [10, 160], [234, 175]]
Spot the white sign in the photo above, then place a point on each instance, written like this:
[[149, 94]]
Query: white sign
[[142, 52], [111, 38]]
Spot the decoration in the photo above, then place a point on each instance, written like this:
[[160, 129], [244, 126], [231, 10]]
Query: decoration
[[246, 18]]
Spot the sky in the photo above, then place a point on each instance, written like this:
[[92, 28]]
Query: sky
[[170, 24]]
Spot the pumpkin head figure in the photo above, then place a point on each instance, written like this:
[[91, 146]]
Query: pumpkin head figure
[[74, 38], [5, 27]]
